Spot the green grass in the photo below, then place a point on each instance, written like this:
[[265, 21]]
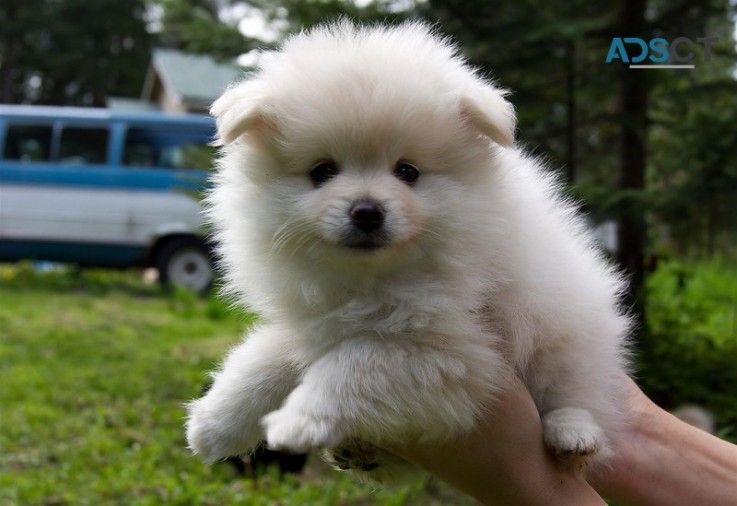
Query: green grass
[[94, 370], [96, 365]]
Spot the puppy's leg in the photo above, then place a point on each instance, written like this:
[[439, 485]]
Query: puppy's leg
[[576, 392], [385, 390], [254, 379]]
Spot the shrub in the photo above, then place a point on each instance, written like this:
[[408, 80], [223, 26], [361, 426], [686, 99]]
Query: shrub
[[688, 350]]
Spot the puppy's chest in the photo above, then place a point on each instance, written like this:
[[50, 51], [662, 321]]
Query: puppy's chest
[[363, 315], [413, 318]]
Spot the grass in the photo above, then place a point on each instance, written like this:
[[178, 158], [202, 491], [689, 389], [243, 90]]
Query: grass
[[94, 369], [96, 365]]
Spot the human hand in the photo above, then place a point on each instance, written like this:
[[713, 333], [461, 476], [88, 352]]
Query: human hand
[[504, 460], [661, 460], [658, 459]]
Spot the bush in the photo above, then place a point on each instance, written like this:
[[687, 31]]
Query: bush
[[688, 351]]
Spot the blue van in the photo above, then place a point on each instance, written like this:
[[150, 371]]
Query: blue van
[[96, 187]]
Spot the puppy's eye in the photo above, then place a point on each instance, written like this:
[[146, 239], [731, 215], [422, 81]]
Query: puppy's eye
[[407, 172], [322, 172]]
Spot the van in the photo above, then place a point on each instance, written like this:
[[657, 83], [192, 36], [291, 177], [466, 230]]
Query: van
[[97, 187]]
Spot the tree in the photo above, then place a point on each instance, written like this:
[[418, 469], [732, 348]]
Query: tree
[[693, 171], [18, 26], [694, 167], [72, 51], [633, 96], [196, 26], [302, 14]]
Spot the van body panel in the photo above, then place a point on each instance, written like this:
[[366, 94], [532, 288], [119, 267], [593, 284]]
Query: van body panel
[[98, 187]]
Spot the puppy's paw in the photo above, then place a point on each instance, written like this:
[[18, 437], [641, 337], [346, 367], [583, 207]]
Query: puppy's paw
[[574, 435], [214, 437], [299, 431], [370, 464], [353, 454]]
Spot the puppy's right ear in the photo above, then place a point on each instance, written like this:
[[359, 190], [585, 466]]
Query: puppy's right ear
[[238, 110]]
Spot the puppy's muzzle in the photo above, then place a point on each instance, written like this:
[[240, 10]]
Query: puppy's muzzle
[[367, 215], [368, 229]]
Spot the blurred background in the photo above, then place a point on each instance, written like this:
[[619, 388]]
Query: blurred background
[[95, 364]]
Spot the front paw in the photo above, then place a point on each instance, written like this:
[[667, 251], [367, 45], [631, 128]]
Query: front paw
[[299, 431], [213, 436], [575, 437]]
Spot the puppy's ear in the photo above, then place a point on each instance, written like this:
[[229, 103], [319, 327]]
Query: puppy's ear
[[239, 110], [488, 111]]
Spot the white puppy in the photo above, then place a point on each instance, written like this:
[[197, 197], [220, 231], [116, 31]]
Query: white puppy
[[406, 259]]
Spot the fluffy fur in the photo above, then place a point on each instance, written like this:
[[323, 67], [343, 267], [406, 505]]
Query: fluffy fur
[[477, 271]]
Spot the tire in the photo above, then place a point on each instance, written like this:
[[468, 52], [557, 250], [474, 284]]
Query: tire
[[185, 262]]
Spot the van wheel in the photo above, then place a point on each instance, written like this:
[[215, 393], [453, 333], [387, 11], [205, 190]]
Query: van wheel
[[185, 262]]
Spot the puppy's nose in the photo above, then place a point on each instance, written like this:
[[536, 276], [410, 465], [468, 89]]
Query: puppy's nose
[[367, 215]]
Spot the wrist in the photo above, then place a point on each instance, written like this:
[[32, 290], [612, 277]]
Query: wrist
[[662, 460]]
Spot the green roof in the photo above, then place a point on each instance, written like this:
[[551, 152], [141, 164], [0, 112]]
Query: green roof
[[194, 77]]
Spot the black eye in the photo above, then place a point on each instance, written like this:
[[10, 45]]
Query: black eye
[[322, 172], [406, 172]]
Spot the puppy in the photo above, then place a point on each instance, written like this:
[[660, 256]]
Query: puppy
[[406, 259]]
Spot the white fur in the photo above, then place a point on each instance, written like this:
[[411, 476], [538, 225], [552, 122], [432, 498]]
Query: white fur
[[488, 271]]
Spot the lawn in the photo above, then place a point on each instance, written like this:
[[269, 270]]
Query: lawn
[[94, 370], [96, 365]]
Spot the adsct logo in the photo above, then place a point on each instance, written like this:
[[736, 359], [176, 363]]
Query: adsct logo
[[661, 54]]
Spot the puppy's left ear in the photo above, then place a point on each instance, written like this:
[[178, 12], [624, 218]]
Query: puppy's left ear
[[489, 112], [239, 110]]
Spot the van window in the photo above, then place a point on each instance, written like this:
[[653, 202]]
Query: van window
[[169, 148], [27, 143], [80, 145]]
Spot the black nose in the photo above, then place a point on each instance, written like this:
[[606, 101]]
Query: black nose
[[367, 215]]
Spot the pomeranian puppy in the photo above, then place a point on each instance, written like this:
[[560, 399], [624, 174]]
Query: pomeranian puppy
[[405, 257]]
